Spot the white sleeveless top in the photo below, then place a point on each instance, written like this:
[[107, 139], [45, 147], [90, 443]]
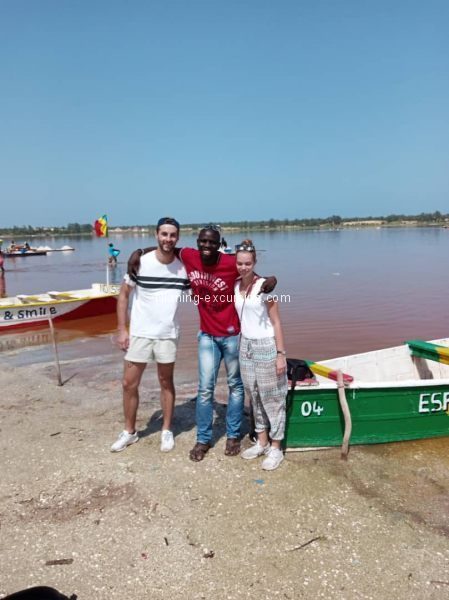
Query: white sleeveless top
[[253, 312]]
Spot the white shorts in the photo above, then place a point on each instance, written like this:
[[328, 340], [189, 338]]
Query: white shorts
[[144, 350]]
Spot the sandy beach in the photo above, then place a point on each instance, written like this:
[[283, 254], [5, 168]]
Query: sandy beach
[[141, 524]]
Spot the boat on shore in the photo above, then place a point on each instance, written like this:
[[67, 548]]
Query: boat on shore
[[26, 311], [394, 394]]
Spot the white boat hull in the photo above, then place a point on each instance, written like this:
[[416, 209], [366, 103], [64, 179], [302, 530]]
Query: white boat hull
[[26, 311]]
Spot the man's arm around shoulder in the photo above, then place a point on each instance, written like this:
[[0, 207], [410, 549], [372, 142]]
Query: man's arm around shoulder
[[134, 259], [268, 285]]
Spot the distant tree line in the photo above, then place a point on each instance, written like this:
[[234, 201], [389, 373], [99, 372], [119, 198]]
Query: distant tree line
[[335, 221], [434, 218], [28, 230]]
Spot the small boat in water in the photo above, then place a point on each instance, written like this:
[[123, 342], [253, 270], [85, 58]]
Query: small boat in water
[[394, 394], [21, 251], [26, 311], [24, 253]]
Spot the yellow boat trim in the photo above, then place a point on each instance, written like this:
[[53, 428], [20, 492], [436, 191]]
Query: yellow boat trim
[[55, 301]]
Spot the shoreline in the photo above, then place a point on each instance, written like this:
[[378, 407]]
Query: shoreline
[[231, 229], [142, 524]]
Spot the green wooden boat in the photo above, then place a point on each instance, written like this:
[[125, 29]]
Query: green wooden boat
[[394, 394]]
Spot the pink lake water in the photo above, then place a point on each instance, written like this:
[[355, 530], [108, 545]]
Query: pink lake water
[[345, 291]]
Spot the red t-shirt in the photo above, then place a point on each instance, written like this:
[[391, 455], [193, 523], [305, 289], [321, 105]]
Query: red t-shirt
[[213, 290]]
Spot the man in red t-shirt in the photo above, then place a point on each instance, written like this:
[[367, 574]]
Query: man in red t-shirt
[[212, 276]]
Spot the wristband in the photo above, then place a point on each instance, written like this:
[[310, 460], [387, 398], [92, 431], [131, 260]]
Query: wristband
[[283, 352]]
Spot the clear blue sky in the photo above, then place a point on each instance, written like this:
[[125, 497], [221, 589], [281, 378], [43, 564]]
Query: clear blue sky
[[222, 110]]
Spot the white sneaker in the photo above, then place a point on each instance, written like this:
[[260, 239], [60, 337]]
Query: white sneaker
[[273, 460], [123, 440], [167, 441], [255, 451]]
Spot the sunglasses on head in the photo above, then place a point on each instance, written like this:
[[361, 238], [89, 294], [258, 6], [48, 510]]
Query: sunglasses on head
[[212, 227], [168, 221], [245, 248]]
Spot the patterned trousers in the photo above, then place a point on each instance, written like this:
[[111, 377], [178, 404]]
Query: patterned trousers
[[266, 389]]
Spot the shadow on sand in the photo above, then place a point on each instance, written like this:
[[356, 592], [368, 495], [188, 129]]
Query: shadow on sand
[[184, 421]]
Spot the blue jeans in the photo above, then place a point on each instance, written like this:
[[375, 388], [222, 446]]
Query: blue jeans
[[211, 351]]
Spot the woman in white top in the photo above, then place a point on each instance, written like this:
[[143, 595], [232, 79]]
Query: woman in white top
[[263, 364]]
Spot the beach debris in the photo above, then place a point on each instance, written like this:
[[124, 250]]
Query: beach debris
[[192, 542], [259, 481], [301, 546], [166, 541], [144, 555], [59, 561], [56, 433], [208, 553]]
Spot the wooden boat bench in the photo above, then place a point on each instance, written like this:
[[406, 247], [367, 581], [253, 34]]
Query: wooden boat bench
[[61, 295], [430, 351], [29, 299]]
